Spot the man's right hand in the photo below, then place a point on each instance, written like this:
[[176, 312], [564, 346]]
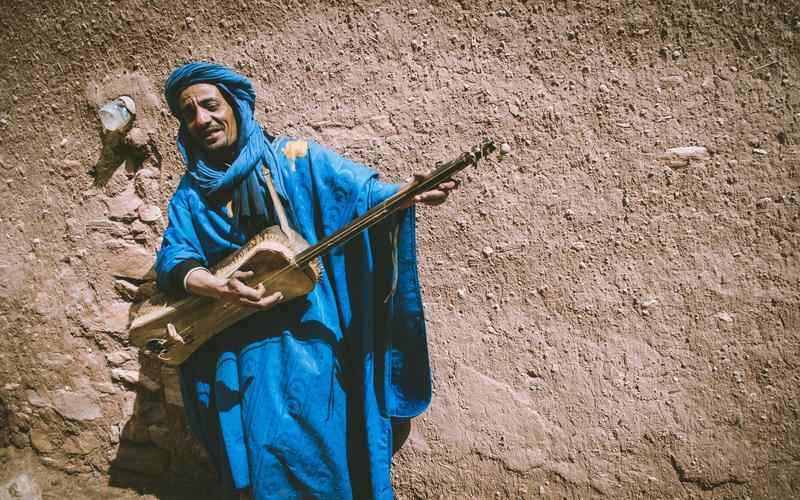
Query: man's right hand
[[233, 289]]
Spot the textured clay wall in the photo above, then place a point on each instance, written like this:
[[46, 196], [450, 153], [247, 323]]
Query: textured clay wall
[[607, 318]]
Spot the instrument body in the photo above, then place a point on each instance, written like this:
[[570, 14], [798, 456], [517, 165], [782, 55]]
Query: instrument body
[[280, 259], [174, 329]]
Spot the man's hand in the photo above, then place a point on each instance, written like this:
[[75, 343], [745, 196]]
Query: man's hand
[[202, 282], [435, 196]]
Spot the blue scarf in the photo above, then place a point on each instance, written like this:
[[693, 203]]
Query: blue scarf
[[242, 181]]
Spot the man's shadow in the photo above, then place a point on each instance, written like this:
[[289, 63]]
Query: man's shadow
[[158, 454]]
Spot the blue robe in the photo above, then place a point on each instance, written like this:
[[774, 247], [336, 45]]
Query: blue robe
[[297, 401]]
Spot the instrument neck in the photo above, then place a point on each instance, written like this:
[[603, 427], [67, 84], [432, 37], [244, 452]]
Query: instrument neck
[[394, 203]]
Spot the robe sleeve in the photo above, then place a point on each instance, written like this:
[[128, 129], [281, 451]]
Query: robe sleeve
[[405, 365], [180, 243]]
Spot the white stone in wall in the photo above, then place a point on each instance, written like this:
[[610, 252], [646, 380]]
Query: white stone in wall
[[117, 116], [22, 487], [682, 156], [149, 213]]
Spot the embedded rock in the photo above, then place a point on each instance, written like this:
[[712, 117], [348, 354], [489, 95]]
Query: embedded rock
[[681, 157], [149, 213], [80, 406], [123, 206], [134, 377], [112, 317], [130, 261], [22, 487], [126, 289]]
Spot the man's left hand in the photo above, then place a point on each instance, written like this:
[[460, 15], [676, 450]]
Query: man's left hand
[[435, 196]]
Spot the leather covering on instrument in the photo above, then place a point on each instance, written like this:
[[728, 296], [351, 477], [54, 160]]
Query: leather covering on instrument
[[173, 328]]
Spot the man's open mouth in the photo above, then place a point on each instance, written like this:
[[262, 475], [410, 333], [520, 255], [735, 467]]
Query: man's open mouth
[[210, 133]]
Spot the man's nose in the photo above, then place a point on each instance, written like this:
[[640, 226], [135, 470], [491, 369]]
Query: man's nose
[[203, 117]]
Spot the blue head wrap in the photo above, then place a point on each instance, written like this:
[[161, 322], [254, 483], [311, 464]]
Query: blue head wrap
[[242, 180]]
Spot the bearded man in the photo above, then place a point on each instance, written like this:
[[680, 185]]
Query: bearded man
[[298, 400]]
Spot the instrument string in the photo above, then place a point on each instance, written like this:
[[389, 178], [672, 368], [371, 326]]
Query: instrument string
[[383, 210]]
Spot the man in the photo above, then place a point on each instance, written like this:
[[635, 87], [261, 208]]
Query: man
[[298, 400]]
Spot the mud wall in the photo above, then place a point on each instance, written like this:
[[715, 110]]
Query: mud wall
[[606, 318]]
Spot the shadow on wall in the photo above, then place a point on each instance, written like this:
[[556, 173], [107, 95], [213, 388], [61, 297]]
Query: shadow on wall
[[157, 453]]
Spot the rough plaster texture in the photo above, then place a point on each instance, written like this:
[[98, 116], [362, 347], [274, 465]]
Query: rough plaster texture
[[608, 317]]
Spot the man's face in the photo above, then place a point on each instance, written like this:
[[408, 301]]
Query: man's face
[[209, 118]]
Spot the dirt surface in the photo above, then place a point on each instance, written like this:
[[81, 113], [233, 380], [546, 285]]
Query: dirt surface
[[606, 319]]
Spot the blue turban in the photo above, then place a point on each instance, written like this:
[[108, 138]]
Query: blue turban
[[242, 180]]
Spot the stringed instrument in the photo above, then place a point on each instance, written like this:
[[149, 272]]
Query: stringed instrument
[[173, 328]]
